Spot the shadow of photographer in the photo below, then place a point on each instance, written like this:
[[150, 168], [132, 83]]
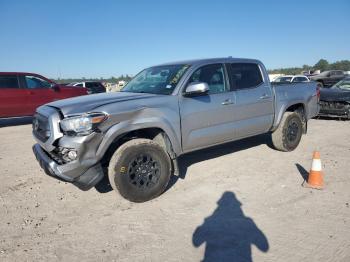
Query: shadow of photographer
[[228, 234]]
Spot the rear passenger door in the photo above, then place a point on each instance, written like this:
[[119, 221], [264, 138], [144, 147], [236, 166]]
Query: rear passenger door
[[12, 97], [335, 77], [254, 109]]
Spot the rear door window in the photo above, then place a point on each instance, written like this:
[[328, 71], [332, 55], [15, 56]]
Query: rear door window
[[8, 81], [300, 79], [245, 75], [90, 84]]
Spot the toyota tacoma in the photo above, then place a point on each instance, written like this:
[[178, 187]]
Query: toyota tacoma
[[135, 136]]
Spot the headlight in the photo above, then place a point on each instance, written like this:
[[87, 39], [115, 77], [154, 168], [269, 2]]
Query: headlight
[[82, 125]]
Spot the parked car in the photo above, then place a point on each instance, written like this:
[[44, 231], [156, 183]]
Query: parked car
[[163, 112], [93, 87], [22, 93], [328, 78], [291, 79], [310, 73], [335, 101]]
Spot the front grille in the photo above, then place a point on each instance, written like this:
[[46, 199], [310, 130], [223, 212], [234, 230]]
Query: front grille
[[41, 127], [334, 105]]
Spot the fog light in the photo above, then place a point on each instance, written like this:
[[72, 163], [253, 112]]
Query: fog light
[[72, 155]]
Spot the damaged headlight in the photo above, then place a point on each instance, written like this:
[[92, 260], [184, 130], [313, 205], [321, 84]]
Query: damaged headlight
[[84, 124]]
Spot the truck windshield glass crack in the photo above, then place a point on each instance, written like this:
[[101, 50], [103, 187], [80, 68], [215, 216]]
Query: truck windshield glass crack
[[159, 80]]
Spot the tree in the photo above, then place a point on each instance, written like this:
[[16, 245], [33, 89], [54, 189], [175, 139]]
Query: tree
[[306, 67], [341, 65], [322, 65]]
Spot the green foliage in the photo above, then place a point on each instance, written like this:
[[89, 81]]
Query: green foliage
[[322, 65], [112, 79]]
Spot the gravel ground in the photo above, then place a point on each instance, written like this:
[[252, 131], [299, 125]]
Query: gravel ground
[[239, 202]]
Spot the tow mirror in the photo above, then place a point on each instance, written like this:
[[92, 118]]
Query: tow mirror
[[197, 89]]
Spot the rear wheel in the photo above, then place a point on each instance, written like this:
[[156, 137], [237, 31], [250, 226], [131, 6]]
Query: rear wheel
[[288, 135], [139, 170], [320, 84]]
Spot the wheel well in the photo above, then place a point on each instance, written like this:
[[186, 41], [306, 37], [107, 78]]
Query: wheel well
[[300, 109], [156, 134], [297, 107]]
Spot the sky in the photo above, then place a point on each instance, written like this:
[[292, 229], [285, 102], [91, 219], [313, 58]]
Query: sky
[[83, 38]]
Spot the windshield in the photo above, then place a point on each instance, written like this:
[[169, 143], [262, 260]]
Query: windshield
[[283, 79], [160, 80], [343, 84]]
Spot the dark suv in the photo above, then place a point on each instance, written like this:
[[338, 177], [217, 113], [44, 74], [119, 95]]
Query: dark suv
[[93, 87], [328, 78]]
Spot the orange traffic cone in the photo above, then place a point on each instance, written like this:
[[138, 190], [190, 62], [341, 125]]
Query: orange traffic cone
[[315, 179]]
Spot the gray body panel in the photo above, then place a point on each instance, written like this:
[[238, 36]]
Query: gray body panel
[[190, 123]]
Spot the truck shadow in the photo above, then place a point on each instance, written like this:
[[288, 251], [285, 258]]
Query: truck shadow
[[16, 121], [185, 161], [228, 234]]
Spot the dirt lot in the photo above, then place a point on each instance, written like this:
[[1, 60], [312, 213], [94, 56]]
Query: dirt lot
[[238, 202]]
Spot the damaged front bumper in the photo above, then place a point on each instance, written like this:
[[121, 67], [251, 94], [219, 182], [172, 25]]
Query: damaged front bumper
[[82, 168], [83, 179]]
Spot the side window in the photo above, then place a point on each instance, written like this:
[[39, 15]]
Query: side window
[[10, 81], [339, 73], [80, 85], [245, 75], [36, 82], [300, 79], [213, 75]]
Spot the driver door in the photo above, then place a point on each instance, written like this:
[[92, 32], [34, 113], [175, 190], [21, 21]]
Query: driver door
[[208, 119], [39, 92]]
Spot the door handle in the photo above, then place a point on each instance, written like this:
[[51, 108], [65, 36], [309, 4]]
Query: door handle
[[30, 92], [227, 102], [265, 96]]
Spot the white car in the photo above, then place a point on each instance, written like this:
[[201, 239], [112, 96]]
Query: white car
[[291, 78]]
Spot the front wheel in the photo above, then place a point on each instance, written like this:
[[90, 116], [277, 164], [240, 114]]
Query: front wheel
[[288, 134], [140, 170]]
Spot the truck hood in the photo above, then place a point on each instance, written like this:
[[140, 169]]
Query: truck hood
[[89, 103], [334, 94]]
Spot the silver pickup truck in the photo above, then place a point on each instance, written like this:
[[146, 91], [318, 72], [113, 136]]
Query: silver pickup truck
[[163, 112]]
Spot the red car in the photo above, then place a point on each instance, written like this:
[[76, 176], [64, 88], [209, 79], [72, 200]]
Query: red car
[[22, 93]]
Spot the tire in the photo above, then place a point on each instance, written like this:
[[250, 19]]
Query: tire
[[320, 84], [139, 170], [288, 134]]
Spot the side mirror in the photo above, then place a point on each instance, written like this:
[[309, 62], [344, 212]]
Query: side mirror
[[56, 88], [197, 89]]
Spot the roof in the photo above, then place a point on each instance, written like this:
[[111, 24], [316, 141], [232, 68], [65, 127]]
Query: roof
[[17, 73], [212, 61], [25, 73], [292, 76]]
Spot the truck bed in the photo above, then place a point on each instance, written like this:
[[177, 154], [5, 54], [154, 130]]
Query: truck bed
[[287, 94]]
